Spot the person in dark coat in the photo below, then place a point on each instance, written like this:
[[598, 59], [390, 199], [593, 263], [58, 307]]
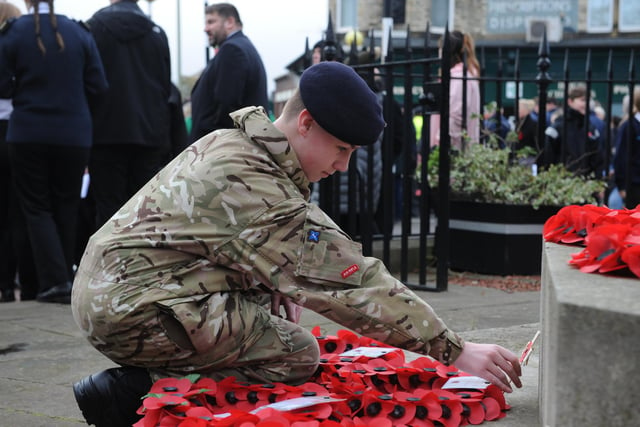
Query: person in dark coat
[[627, 157], [233, 79], [51, 69], [581, 151], [132, 124]]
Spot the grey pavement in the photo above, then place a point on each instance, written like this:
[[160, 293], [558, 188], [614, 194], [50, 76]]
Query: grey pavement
[[42, 352]]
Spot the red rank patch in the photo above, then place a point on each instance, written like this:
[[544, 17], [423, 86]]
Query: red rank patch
[[349, 271]]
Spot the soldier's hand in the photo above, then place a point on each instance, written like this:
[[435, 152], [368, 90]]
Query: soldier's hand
[[491, 362], [292, 310]]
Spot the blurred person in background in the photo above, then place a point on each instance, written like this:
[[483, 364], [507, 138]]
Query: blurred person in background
[[50, 67], [466, 130], [233, 79], [132, 123]]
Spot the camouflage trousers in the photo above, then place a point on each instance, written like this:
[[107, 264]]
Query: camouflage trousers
[[225, 334]]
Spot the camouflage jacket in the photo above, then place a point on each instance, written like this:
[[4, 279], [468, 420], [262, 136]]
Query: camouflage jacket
[[231, 214]]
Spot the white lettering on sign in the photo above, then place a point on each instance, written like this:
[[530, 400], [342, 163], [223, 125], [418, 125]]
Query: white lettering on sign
[[510, 16]]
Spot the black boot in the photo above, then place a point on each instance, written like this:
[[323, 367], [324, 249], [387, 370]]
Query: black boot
[[111, 398], [59, 293], [8, 295]]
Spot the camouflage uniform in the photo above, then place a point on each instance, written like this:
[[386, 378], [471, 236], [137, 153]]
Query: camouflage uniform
[[176, 280]]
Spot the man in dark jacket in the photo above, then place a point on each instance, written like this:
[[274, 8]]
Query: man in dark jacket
[[132, 125], [233, 79]]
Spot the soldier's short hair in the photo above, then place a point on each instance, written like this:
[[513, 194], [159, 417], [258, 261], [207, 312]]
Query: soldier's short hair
[[294, 106]]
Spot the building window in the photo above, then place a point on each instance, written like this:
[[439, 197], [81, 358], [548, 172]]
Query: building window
[[442, 13], [600, 16], [397, 11], [347, 14], [628, 14]]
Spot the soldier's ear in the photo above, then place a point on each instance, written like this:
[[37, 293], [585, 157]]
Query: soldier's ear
[[305, 122]]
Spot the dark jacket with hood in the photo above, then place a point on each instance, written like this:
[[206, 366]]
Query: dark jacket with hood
[[136, 58]]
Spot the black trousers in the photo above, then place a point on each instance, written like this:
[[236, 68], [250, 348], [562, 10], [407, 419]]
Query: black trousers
[[633, 196], [118, 171], [16, 261], [47, 180]]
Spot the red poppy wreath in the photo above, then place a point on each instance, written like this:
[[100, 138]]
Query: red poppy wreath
[[360, 382], [611, 237]]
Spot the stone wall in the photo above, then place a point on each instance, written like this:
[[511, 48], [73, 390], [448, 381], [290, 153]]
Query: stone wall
[[589, 367]]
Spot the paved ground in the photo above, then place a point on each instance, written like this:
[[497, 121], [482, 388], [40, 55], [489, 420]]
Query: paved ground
[[42, 352]]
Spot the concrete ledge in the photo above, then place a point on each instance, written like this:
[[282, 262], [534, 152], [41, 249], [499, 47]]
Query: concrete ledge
[[589, 366]]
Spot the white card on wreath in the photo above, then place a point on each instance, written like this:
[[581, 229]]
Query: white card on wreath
[[297, 403], [371, 352], [466, 382]]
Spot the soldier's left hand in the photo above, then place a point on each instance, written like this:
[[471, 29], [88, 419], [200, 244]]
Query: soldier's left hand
[[292, 310]]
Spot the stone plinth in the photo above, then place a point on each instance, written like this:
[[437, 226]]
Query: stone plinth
[[590, 355]]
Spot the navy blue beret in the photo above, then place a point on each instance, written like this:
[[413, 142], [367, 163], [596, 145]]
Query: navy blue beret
[[342, 103]]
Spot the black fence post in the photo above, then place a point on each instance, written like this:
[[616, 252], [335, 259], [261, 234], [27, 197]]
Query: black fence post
[[425, 149], [388, 190], [543, 79], [587, 111], [406, 173], [442, 233], [630, 136], [608, 115]]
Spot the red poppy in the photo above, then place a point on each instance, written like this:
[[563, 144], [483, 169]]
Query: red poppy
[[376, 406], [331, 423], [631, 257], [350, 339], [451, 409], [572, 223], [405, 409], [604, 247], [379, 375], [203, 385], [151, 417], [161, 401], [473, 410], [492, 408], [428, 370], [175, 386], [409, 377], [498, 395], [559, 228]]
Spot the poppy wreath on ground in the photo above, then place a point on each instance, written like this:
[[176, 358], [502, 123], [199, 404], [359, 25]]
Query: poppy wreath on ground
[[355, 390], [611, 237]]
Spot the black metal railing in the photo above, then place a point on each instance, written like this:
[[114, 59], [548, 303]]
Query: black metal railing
[[415, 79]]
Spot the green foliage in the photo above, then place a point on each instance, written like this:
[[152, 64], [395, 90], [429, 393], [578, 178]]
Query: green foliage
[[486, 174]]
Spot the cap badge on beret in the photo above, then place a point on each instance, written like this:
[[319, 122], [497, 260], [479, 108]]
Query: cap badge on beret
[[342, 103]]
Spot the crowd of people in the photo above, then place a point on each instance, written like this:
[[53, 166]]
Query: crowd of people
[[125, 124]]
